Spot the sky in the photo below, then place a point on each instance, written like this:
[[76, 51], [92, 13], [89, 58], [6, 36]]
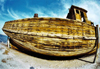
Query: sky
[[19, 9]]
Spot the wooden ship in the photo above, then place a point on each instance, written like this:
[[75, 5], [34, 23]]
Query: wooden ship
[[73, 36]]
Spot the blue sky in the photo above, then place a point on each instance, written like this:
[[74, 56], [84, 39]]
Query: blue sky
[[19, 9]]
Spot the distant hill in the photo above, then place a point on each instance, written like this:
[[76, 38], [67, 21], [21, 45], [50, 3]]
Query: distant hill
[[3, 38]]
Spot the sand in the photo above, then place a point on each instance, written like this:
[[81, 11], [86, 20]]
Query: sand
[[13, 59]]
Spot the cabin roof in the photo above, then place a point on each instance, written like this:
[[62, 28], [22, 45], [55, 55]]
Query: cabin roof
[[72, 7]]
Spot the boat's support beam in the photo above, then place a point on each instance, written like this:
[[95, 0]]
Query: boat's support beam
[[97, 46], [97, 42], [8, 42]]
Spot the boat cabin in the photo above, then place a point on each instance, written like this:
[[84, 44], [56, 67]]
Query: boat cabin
[[77, 13]]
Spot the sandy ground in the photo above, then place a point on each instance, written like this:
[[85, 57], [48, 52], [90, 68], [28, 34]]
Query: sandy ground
[[13, 59]]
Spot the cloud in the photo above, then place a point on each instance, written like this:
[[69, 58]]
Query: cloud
[[45, 12], [93, 9], [13, 14], [17, 14], [2, 2], [41, 11]]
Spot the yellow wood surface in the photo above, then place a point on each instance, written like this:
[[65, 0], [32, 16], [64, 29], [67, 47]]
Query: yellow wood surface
[[52, 36]]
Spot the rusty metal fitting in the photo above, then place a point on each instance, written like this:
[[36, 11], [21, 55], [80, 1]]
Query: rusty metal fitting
[[35, 15]]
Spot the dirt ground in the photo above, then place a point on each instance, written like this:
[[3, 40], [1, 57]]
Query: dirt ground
[[13, 59]]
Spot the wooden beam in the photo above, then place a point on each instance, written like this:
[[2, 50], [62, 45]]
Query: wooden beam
[[97, 42]]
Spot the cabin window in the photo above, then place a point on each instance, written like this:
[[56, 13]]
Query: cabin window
[[82, 17], [77, 11]]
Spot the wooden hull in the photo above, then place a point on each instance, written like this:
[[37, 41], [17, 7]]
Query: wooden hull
[[52, 36]]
